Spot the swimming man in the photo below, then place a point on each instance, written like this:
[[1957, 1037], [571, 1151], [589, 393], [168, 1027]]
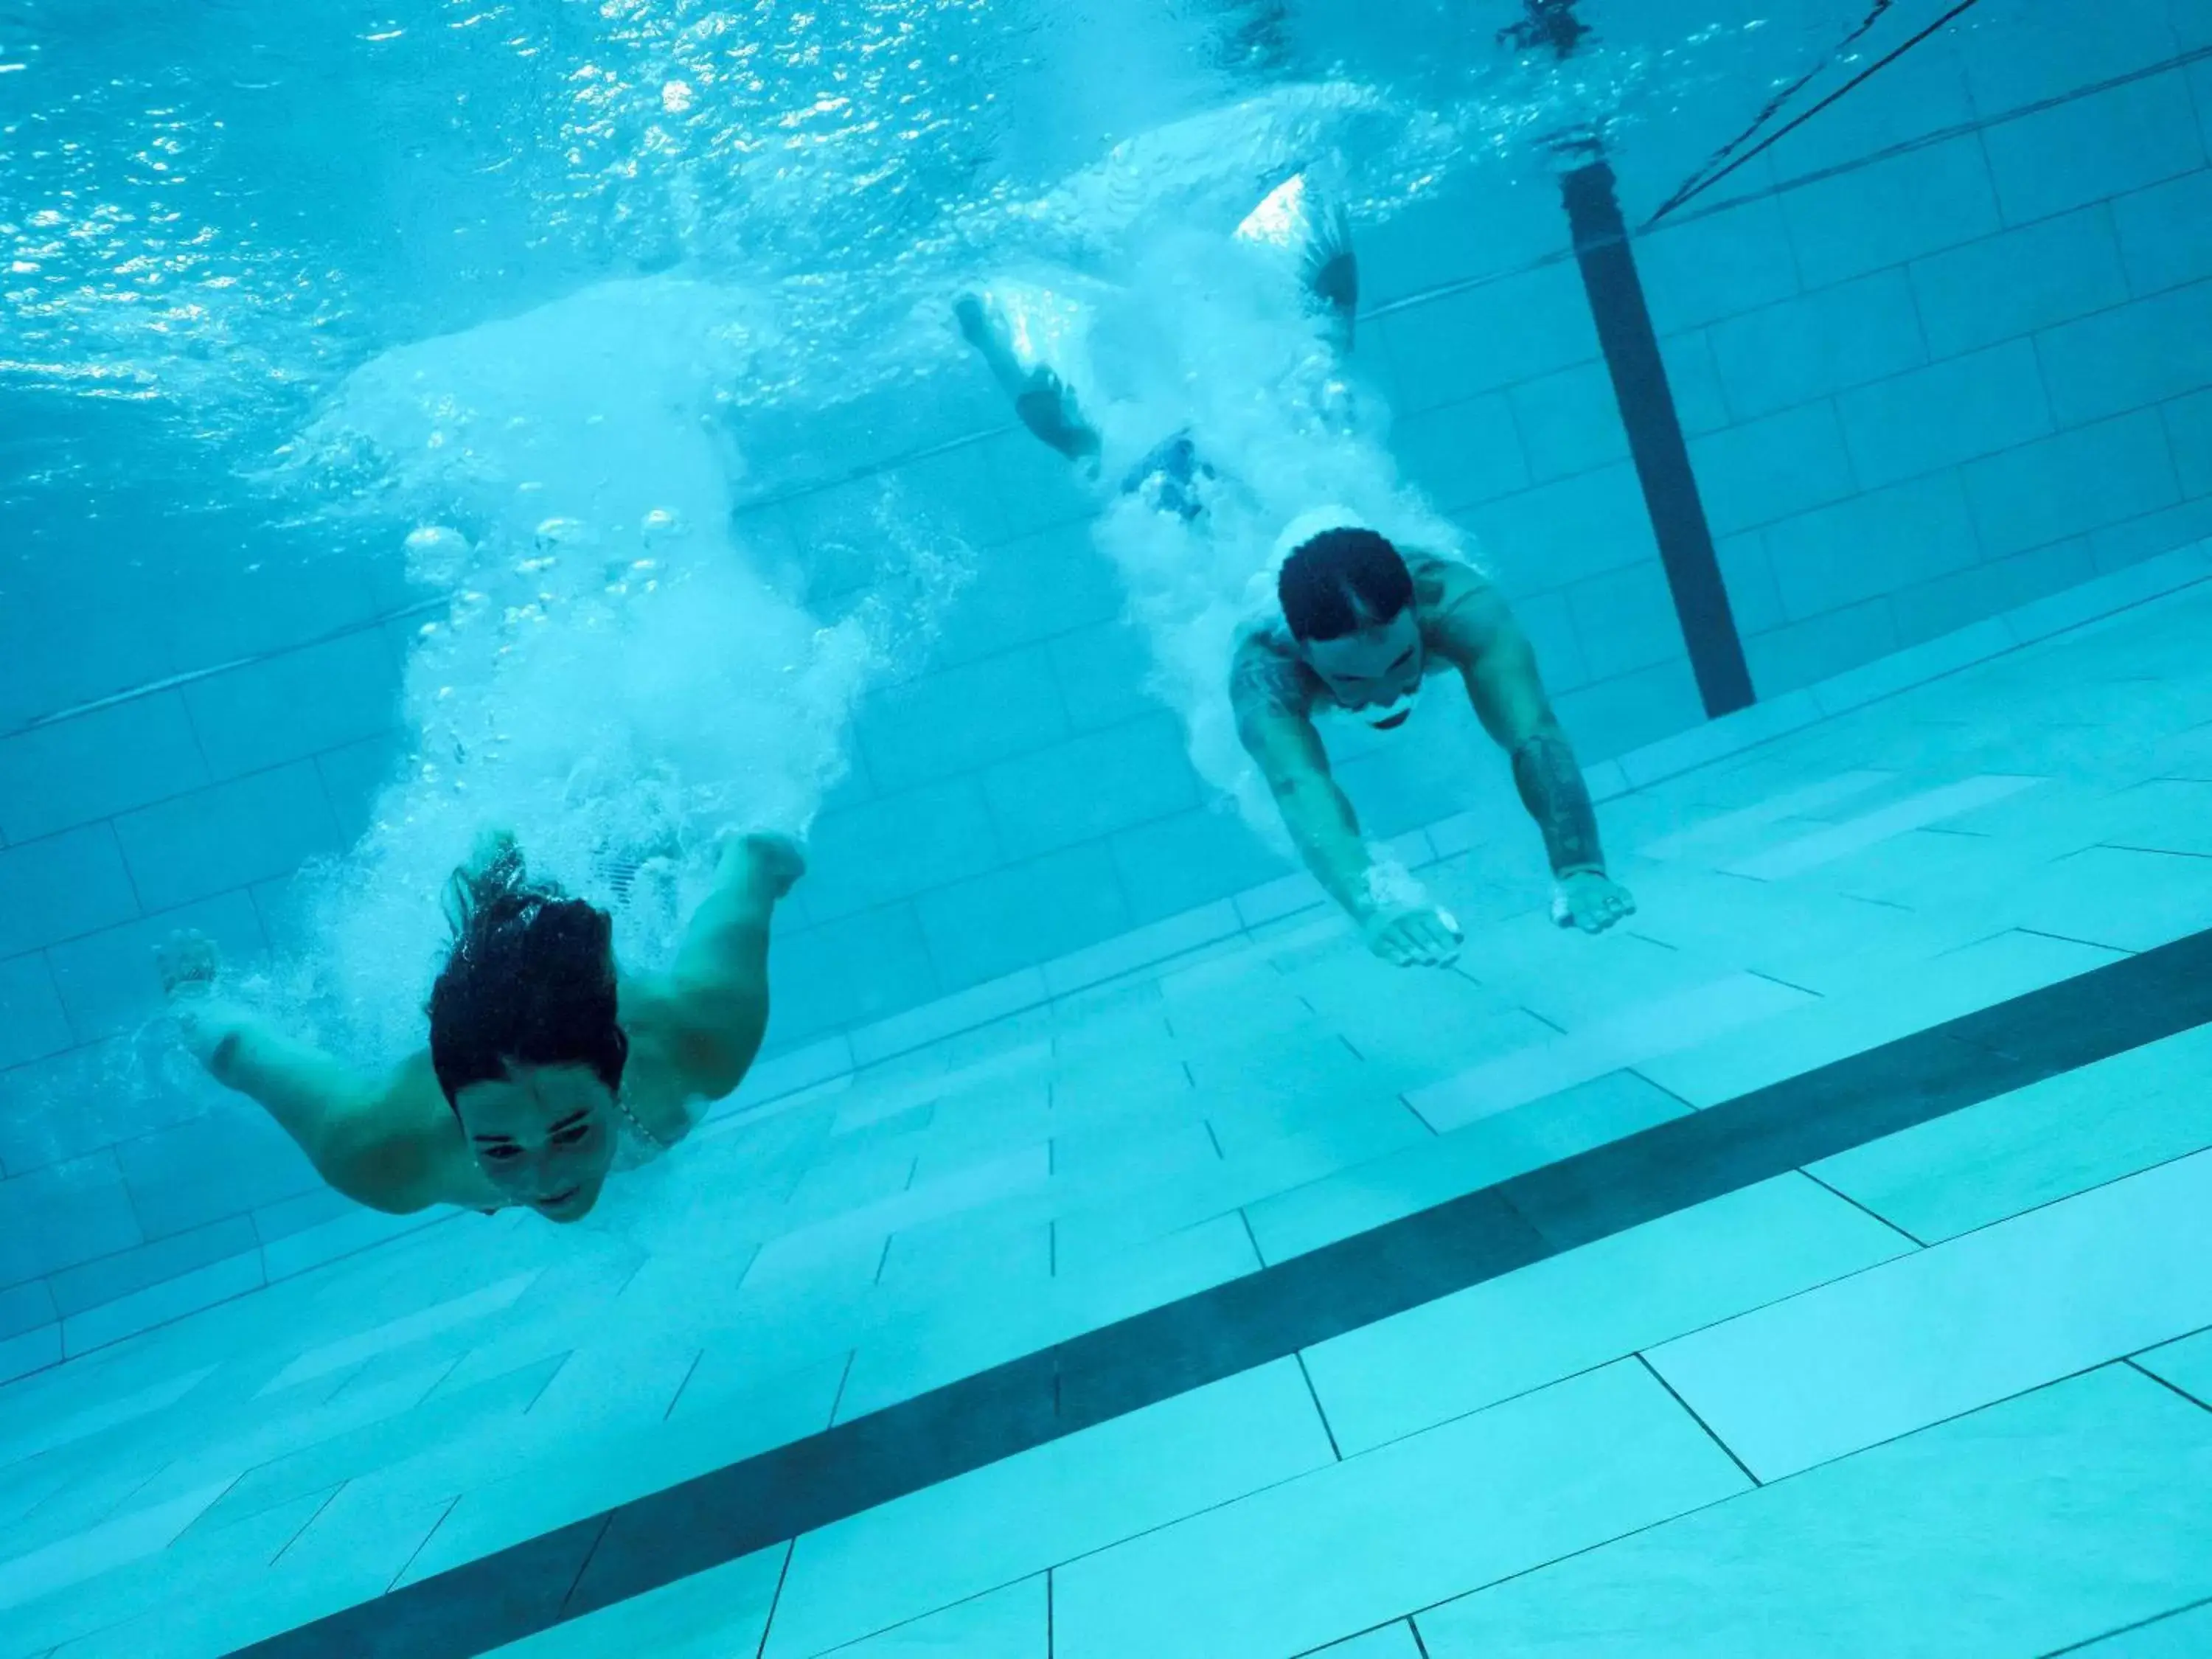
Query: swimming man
[[1354, 624], [548, 1066]]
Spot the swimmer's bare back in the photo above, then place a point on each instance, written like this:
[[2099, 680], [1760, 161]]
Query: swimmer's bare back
[[395, 1143]]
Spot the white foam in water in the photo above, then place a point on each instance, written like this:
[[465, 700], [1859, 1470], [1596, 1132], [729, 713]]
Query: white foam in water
[[1211, 338], [619, 680]]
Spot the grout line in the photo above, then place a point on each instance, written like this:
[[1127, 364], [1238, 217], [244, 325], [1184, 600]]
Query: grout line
[[308, 1523], [1419, 1646], [559, 1365], [776, 1601], [1644, 1359], [689, 1372], [425, 1543], [1313, 1394], [1048, 1613], [843, 1378], [2141, 1623], [2134, 1364], [1786, 984], [1252, 1238], [1917, 1243], [1216, 1140]]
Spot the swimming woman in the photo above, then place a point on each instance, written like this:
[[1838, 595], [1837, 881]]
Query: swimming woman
[[1350, 622], [548, 1066]]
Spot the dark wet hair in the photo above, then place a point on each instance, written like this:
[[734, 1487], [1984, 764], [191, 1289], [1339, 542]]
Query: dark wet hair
[[1342, 580], [529, 979]]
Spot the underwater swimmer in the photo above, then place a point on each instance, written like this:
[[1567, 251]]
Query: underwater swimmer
[[1353, 623], [545, 1060]]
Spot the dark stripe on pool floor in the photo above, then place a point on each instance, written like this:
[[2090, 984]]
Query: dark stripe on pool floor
[[1270, 1314]]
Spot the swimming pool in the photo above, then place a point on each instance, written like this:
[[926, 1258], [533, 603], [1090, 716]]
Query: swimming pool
[[447, 416]]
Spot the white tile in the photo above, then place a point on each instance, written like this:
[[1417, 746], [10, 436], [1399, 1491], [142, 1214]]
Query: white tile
[[1716, 740], [1584, 1307], [1012, 1623], [958, 1338], [2058, 1137], [962, 1011], [2019, 1529], [1360, 1541], [1855, 835], [157, 1304], [787, 1073], [2186, 1364], [1915, 665], [1811, 798], [1142, 947], [869, 1105], [46, 1433], [413, 1327], [33, 1351], [1951, 1328], [1476, 1155], [586, 1467], [1286, 896], [713, 1614], [1391, 1642], [116, 1543], [1661, 1027], [1065, 1500], [1020, 1171], [1902, 998], [2185, 1635]]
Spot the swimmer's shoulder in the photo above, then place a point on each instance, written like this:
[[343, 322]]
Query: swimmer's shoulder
[[667, 1052], [1454, 602], [408, 1152], [1265, 676]]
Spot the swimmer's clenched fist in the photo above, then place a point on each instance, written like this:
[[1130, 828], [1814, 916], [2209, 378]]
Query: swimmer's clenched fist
[[1590, 900]]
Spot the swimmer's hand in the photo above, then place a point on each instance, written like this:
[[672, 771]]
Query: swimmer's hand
[[189, 964], [1416, 936], [1590, 900], [778, 860]]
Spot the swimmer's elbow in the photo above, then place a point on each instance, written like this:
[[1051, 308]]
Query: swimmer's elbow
[[715, 1042]]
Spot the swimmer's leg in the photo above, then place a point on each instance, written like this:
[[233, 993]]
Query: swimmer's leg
[[1019, 331], [1310, 227]]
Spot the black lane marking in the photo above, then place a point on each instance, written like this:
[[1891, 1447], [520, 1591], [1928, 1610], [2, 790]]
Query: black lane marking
[[1270, 1314], [1631, 345]]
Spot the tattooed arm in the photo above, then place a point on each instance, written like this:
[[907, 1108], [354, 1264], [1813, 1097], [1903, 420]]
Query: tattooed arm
[[1499, 666], [1399, 923]]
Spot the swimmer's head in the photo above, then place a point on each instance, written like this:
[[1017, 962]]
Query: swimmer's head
[[1348, 599], [523, 1035]]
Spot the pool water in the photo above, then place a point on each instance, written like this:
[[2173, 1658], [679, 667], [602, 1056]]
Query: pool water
[[447, 417]]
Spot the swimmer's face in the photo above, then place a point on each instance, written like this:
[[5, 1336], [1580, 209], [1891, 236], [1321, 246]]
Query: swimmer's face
[[545, 1135], [1370, 669]]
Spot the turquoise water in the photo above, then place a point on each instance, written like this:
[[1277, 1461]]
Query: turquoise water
[[420, 418]]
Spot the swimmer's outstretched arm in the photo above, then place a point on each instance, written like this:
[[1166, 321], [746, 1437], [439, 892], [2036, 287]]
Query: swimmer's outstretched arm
[[1498, 665], [713, 1008], [341, 1119], [1402, 928]]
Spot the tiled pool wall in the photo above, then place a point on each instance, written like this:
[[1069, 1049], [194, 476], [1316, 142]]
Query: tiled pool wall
[[1943, 353]]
